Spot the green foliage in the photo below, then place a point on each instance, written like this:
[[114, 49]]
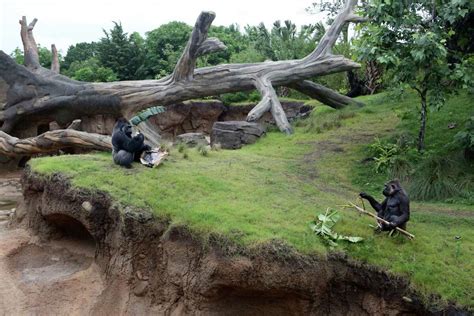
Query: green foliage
[[434, 179], [79, 53], [233, 39], [317, 123], [323, 224], [440, 173], [122, 53], [182, 147], [45, 56], [90, 70], [163, 47], [242, 96], [465, 138], [202, 150], [394, 158]]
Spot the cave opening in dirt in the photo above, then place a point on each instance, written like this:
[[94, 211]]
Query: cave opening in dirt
[[71, 228]]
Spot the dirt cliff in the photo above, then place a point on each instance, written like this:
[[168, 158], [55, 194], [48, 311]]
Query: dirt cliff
[[150, 266]]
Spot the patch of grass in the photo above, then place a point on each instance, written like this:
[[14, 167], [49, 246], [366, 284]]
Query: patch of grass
[[273, 189], [323, 119], [202, 150]]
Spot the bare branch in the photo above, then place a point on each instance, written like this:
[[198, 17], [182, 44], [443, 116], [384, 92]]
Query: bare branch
[[330, 37], [185, 67], [269, 102], [29, 44], [323, 94], [75, 125], [210, 45], [55, 59], [51, 142]]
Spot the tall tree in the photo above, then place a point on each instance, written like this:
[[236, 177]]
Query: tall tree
[[163, 46], [79, 52], [121, 53], [410, 37]]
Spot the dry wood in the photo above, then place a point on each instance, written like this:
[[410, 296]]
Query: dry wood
[[55, 61], [52, 141], [361, 210], [323, 94]]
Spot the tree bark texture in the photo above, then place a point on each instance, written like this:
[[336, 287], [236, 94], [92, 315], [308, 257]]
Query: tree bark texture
[[36, 94], [51, 142]]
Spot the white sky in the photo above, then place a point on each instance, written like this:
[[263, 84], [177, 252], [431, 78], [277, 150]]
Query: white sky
[[67, 22]]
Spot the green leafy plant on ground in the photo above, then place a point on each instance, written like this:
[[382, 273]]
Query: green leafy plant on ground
[[323, 224]]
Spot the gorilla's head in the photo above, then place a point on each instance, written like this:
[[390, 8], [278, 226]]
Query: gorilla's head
[[125, 126], [391, 187]]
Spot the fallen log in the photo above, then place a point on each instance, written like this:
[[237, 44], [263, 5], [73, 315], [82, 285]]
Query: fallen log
[[52, 141]]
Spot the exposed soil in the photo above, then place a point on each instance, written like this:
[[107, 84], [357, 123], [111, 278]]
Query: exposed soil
[[59, 277], [74, 252]]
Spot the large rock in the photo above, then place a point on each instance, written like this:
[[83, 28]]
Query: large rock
[[192, 139], [235, 134]]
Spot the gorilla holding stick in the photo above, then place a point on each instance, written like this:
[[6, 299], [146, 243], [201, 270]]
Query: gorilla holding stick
[[395, 209], [126, 148]]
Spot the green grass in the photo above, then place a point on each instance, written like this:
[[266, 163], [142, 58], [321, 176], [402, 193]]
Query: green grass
[[274, 188]]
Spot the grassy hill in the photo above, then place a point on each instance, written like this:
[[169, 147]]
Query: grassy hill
[[274, 188]]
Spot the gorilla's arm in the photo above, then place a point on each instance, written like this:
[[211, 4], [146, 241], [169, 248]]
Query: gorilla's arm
[[133, 144], [373, 202]]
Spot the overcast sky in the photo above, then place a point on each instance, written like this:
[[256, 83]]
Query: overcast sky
[[67, 22]]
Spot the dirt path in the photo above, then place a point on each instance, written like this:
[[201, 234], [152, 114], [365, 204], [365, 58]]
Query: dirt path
[[54, 278]]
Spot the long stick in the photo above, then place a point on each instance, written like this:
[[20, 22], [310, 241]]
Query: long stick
[[404, 232]]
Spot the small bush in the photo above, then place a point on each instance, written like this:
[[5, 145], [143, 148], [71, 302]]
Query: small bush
[[320, 122], [434, 179], [182, 147], [216, 147], [202, 150]]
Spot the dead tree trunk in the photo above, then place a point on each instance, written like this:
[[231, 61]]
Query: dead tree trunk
[[51, 142], [39, 94]]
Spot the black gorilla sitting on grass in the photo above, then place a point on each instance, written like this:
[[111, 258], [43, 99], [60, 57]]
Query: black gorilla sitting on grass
[[395, 209], [126, 148]]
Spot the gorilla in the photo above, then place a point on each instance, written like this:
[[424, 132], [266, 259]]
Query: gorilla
[[395, 209], [126, 148]]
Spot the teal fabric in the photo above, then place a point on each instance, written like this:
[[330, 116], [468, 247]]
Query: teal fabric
[[144, 115]]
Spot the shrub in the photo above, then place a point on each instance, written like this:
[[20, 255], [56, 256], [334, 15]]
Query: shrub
[[434, 179], [319, 122], [202, 150], [465, 138]]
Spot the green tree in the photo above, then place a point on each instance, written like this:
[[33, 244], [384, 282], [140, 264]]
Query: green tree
[[409, 37], [45, 56], [232, 38], [90, 70], [79, 52], [163, 47], [122, 53]]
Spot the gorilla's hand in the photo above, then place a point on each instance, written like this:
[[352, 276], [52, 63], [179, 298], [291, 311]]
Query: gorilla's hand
[[363, 195], [146, 148], [139, 137]]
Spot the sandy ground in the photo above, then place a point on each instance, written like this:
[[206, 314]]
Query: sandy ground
[[54, 278]]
